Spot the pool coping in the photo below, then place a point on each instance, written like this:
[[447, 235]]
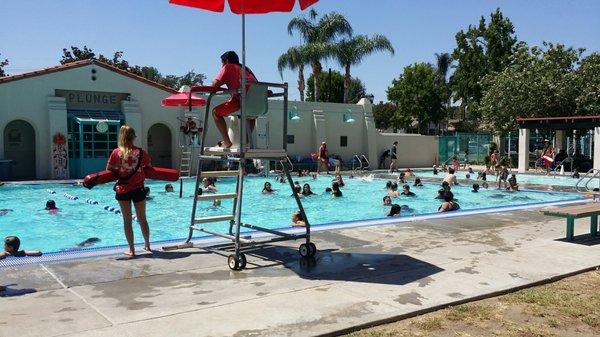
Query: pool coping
[[206, 241]]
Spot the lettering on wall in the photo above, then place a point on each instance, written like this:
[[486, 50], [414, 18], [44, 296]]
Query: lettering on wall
[[77, 99]]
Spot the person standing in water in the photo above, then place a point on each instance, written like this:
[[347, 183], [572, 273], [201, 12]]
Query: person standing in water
[[393, 157], [128, 162]]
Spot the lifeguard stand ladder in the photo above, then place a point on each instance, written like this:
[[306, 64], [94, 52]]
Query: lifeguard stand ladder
[[256, 99]]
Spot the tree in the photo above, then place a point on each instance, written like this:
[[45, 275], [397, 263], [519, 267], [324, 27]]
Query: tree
[[295, 58], [191, 78], [3, 63], [417, 95], [77, 54], [588, 77], [384, 114], [351, 51], [317, 36], [481, 50], [540, 82], [356, 91]]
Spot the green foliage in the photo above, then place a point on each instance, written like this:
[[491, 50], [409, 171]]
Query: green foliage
[[479, 51], [588, 76], [356, 92], [351, 51], [3, 63], [540, 82], [117, 60], [318, 35], [295, 58], [418, 96], [384, 114]]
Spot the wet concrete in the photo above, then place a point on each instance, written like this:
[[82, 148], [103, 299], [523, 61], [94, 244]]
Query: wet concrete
[[360, 275]]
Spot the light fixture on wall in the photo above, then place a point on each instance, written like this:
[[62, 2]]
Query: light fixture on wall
[[293, 114], [347, 117]]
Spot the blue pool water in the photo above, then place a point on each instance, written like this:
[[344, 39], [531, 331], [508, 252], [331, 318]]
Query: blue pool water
[[169, 215], [560, 180]]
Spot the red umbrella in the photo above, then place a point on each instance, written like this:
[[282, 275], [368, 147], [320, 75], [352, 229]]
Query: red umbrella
[[246, 6], [182, 99]]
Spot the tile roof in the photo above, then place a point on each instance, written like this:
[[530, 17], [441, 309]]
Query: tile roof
[[83, 63]]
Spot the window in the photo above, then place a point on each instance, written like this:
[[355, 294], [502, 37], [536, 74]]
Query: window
[[85, 141], [343, 141], [290, 139]]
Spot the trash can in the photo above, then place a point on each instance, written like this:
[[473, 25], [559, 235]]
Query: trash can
[[6, 169]]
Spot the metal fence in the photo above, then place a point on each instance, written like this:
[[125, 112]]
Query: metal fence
[[476, 143]]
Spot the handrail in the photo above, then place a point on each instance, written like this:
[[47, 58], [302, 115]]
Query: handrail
[[567, 159], [594, 172], [366, 161], [287, 158], [359, 161]]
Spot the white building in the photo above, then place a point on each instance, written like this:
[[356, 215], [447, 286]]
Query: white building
[[62, 122]]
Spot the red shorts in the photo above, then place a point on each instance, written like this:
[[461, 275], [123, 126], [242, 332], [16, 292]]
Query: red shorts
[[225, 109]]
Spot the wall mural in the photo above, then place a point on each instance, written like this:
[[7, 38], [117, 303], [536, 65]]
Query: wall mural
[[59, 156]]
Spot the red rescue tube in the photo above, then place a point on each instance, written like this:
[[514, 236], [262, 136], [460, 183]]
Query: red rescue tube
[[161, 173], [106, 176], [101, 177]]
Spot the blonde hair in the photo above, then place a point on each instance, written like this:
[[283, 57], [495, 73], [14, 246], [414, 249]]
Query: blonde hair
[[126, 137]]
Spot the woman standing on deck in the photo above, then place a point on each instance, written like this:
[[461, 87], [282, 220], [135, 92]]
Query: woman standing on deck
[[128, 162]]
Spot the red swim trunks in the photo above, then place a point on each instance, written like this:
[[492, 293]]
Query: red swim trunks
[[225, 109]]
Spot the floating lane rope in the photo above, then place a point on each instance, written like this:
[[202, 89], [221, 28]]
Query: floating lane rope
[[70, 196], [112, 209], [51, 191], [91, 201]]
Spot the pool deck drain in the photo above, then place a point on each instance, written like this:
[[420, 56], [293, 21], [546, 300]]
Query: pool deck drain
[[360, 275]]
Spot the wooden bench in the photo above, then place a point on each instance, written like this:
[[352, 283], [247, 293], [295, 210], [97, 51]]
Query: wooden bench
[[575, 212]]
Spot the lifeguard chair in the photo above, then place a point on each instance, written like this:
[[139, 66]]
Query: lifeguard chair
[[256, 104]]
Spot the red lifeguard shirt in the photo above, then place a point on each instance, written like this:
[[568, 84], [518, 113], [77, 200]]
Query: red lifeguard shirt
[[124, 166], [231, 75]]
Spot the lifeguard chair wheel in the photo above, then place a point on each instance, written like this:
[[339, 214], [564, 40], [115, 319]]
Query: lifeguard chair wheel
[[242, 261], [312, 249], [233, 262], [304, 250]]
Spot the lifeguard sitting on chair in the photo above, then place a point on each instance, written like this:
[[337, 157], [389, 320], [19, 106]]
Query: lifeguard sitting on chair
[[189, 128], [230, 75]]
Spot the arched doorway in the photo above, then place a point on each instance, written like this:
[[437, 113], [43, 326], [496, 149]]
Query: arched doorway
[[159, 145], [19, 146]]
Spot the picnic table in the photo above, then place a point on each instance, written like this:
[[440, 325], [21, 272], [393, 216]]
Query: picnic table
[[571, 213]]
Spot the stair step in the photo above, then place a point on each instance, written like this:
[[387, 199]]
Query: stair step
[[213, 196], [205, 157], [214, 218], [232, 173], [250, 153]]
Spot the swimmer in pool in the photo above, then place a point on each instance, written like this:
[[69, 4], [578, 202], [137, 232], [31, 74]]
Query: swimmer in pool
[[449, 204], [485, 185], [387, 201], [418, 183], [338, 178], [435, 170], [450, 178], [394, 191], [209, 185], [335, 190], [267, 188], [440, 194], [394, 210], [88, 242], [446, 186], [297, 191], [512, 183], [51, 207], [169, 188], [216, 203], [11, 248], [475, 188], [306, 191], [388, 185], [406, 191], [297, 220], [5, 211]]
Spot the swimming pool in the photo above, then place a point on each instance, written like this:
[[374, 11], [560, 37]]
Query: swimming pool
[[169, 215], [559, 180]]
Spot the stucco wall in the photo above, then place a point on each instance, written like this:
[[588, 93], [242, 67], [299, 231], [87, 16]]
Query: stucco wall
[[413, 150]]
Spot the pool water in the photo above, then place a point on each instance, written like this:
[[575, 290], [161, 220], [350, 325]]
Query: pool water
[[169, 215], [560, 180]]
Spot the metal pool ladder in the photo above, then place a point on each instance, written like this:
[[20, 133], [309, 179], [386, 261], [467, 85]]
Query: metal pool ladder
[[582, 184], [237, 260]]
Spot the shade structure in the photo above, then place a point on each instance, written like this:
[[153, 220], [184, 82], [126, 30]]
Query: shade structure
[[181, 99], [245, 6]]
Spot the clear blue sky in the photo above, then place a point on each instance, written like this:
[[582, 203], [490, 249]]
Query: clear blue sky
[[176, 39]]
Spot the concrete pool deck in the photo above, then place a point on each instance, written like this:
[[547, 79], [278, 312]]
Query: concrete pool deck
[[359, 276]]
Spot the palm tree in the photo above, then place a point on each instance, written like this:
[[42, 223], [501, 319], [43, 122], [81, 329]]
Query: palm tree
[[317, 36], [351, 51], [444, 61], [295, 58]]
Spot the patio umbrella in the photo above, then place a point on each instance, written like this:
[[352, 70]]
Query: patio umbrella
[[182, 98], [244, 7]]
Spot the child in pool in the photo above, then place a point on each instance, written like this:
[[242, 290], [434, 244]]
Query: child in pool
[[11, 248], [297, 220], [306, 191], [387, 201], [267, 188], [169, 188], [335, 190], [475, 188], [406, 191], [394, 191], [51, 207], [395, 210]]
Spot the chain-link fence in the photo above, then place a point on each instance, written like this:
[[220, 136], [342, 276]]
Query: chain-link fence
[[471, 147]]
